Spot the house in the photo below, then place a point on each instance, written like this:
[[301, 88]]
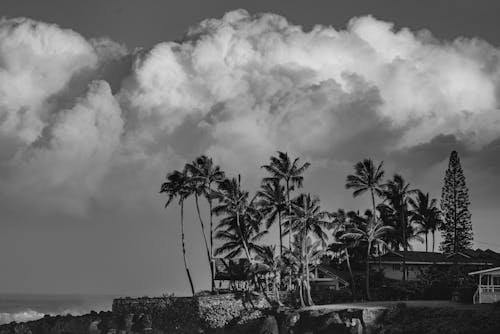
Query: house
[[236, 274], [488, 289], [416, 262], [324, 278]]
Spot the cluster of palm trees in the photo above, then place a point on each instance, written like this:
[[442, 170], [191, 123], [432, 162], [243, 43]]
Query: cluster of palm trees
[[398, 216]]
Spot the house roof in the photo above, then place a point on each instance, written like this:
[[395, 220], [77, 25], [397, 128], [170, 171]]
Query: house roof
[[236, 269], [485, 271], [467, 257], [340, 275]]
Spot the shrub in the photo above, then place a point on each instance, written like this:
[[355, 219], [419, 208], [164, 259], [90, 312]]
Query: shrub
[[333, 296], [416, 320]]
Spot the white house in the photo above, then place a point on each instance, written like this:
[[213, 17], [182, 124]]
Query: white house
[[416, 262], [324, 279], [488, 290]]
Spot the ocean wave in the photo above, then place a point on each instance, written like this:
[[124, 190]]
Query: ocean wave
[[22, 316]]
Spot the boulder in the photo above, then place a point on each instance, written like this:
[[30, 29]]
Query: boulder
[[269, 326]]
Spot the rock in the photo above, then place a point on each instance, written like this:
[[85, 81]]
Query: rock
[[320, 322], [269, 326], [287, 319], [93, 327]]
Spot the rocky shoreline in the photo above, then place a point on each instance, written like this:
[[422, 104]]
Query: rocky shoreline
[[254, 314], [232, 313]]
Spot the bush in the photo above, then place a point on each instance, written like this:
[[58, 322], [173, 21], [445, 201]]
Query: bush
[[416, 320], [333, 296]]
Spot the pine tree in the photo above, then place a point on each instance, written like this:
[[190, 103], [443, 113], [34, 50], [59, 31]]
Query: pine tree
[[456, 228]]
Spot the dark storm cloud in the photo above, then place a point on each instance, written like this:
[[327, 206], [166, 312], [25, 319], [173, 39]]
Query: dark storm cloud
[[426, 155]]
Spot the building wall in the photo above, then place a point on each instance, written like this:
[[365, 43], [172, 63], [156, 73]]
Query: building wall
[[395, 271]]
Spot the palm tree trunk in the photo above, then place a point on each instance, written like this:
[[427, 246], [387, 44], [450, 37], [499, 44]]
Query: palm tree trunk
[[289, 216], [301, 295], [184, 250], [289, 227], [374, 207], [368, 271], [426, 242], [202, 224], [403, 225], [212, 263], [353, 289], [379, 250], [276, 286], [433, 240], [277, 292], [308, 282], [305, 259], [281, 234], [303, 282], [243, 241]]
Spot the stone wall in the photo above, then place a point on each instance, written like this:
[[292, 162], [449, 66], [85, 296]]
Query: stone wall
[[211, 313]]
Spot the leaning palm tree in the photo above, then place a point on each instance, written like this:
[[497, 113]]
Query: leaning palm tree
[[371, 232], [397, 194], [282, 168], [307, 218], [425, 214], [238, 237], [177, 186], [204, 175], [242, 215], [272, 203], [367, 177]]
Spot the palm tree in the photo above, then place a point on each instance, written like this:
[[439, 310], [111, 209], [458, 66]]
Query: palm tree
[[272, 203], [282, 168], [204, 174], [292, 267], [426, 214], [306, 218], [371, 232], [177, 186], [342, 224], [242, 217], [367, 178], [397, 194], [397, 239], [238, 239], [267, 256]]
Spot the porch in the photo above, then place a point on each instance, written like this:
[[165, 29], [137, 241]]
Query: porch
[[488, 290]]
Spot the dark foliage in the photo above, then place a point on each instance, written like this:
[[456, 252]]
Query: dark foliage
[[417, 320], [456, 228]]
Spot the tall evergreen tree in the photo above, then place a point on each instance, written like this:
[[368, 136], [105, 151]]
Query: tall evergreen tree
[[456, 228]]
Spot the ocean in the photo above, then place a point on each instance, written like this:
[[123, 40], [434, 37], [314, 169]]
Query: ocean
[[26, 307]]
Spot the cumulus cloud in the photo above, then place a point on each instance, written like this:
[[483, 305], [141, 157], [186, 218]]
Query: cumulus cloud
[[266, 83], [78, 114], [73, 153]]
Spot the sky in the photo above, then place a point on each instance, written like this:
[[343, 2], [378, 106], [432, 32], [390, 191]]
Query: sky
[[99, 100]]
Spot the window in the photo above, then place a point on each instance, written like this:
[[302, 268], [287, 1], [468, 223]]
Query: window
[[396, 267], [496, 280]]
